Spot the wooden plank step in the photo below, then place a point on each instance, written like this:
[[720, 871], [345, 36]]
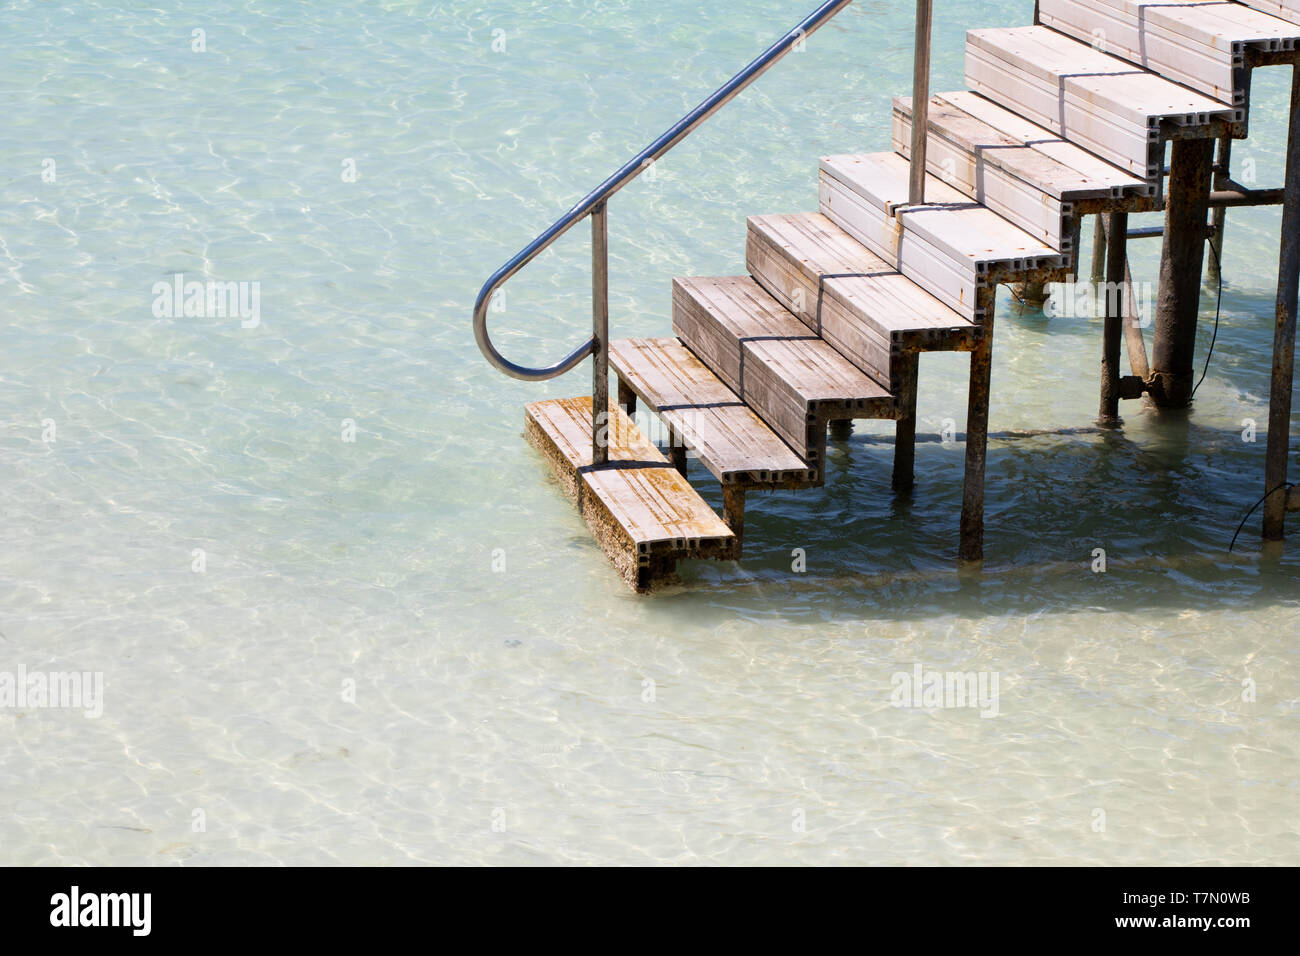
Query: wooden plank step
[[1117, 110], [794, 380], [714, 315], [1006, 167], [1197, 43], [870, 313], [1288, 10], [643, 513], [731, 440], [952, 247], [800, 385], [1044, 141]]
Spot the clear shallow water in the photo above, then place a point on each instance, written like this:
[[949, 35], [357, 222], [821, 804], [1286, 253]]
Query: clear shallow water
[[517, 698]]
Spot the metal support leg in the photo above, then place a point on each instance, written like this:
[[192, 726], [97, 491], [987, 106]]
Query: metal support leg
[[1031, 293], [905, 429], [1098, 253], [1076, 238], [1137, 346], [1116, 305], [1179, 303], [677, 451], [1222, 177], [977, 436], [626, 399], [733, 514], [1288, 279]]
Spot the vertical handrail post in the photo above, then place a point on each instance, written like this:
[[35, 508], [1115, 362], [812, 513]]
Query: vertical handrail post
[[600, 436], [920, 102]]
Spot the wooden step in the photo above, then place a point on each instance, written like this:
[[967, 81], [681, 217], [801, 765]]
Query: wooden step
[[643, 513], [1288, 10], [952, 247], [714, 316], [1024, 173], [801, 385], [730, 440], [794, 380], [1114, 109], [870, 313], [1201, 45], [1044, 141]]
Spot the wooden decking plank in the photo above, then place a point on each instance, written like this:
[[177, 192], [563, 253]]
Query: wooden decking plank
[[667, 379], [870, 319], [729, 438], [798, 385], [1193, 42], [953, 220], [643, 513], [817, 373], [1046, 162], [738, 447], [1098, 170], [1288, 10], [950, 250], [1113, 108], [713, 314], [568, 422], [882, 179], [795, 382]]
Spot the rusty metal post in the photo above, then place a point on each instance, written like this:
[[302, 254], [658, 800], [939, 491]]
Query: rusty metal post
[[1098, 253], [626, 399], [977, 436], [1137, 346], [733, 514], [1222, 176], [1179, 303], [905, 428], [1116, 305], [1288, 279], [1076, 254], [677, 451], [1031, 293]]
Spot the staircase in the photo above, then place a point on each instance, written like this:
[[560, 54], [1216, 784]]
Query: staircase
[[1061, 120]]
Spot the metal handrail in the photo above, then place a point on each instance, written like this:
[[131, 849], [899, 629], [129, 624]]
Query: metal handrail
[[594, 205]]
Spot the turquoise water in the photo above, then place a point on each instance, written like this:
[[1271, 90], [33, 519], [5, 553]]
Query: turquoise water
[[307, 654]]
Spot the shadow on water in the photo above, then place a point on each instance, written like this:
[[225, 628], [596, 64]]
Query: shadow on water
[[1077, 518]]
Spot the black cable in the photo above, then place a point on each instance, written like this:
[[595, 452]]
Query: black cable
[[1218, 308], [1286, 484]]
